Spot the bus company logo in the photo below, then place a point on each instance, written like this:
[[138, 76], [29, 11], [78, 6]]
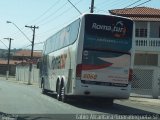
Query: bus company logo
[[118, 29], [59, 62]]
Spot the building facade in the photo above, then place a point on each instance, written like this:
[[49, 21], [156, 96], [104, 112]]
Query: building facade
[[19, 58], [146, 49]]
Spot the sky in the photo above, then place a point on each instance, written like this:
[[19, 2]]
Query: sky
[[50, 16]]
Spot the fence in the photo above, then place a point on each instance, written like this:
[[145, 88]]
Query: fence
[[146, 81], [4, 68], [22, 74]]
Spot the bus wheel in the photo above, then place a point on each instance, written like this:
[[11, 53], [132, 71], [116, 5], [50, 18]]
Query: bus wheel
[[63, 96], [58, 91]]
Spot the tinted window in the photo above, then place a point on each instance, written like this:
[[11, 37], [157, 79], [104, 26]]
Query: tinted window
[[108, 32], [57, 41], [61, 38], [67, 36], [64, 37], [74, 31]]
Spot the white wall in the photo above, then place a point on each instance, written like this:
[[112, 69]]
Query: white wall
[[22, 74]]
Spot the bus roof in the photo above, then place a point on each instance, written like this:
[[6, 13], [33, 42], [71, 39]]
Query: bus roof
[[81, 16]]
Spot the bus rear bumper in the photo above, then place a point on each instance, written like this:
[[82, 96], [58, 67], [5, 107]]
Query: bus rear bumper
[[102, 91]]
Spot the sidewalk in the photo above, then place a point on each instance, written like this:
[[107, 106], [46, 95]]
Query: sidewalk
[[145, 104], [10, 78], [145, 100], [13, 79]]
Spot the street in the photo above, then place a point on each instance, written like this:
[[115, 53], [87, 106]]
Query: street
[[18, 98]]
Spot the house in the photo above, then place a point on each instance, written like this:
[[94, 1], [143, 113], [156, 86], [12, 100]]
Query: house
[[20, 57], [25, 56], [4, 66], [146, 48], [23, 72]]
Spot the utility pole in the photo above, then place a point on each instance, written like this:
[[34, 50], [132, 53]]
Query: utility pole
[[92, 6], [9, 49], [31, 59]]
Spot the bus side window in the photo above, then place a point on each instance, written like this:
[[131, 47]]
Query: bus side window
[[57, 46], [67, 36], [62, 38], [53, 43], [74, 31]]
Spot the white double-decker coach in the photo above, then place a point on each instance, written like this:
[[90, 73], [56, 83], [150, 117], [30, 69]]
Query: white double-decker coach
[[89, 57]]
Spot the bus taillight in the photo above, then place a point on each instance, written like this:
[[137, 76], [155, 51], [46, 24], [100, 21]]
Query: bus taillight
[[130, 74], [78, 70]]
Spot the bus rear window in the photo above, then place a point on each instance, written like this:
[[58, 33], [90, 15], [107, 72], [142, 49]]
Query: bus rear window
[[108, 32]]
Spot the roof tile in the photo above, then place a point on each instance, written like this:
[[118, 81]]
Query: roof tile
[[28, 53], [136, 11], [11, 62]]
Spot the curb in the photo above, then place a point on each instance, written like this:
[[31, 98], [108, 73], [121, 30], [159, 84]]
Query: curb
[[146, 100], [19, 82]]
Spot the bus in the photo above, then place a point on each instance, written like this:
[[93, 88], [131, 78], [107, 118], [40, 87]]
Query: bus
[[90, 57]]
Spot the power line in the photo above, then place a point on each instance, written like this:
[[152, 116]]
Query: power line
[[121, 3], [102, 2], [31, 45], [4, 44], [108, 4], [142, 3], [55, 12], [45, 12], [44, 19], [19, 29], [132, 4], [65, 11], [26, 46], [98, 11], [74, 7], [15, 33], [49, 16], [58, 26], [118, 3]]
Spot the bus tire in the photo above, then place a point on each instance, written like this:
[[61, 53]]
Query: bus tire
[[63, 96], [58, 89]]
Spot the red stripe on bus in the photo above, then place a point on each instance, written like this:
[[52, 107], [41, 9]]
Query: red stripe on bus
[[93, 67]]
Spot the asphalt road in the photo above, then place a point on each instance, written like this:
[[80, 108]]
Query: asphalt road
[[27, 101]]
